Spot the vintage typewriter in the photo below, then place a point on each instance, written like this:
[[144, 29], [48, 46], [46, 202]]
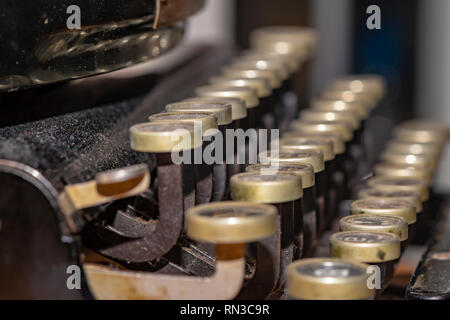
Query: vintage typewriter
[[218, 178]]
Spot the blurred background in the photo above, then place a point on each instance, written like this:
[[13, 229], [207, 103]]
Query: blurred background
[[412, 48]]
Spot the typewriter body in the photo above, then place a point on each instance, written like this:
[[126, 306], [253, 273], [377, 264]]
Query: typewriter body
[[275, 191]]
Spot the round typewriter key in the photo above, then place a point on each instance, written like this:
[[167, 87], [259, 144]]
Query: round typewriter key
[[400, 184], [387, 206], [165, 137], [275, 82], [425, 131], [381, 249], [238, 109], [266, 188], [328, 279], [165, 140], [239, 116], [271, 76], [203, 172], [302, 125], [368, 101], [357, 149], [261, 85], [280, 190], [289, 60], [263, 91], [247, 94], [306, 236], [372, 222], [340, 105], [326, 147], [387, 169], [336, 139], [286, 39], [419, 186], [223, 112], [340, 175], [207, 120], [340, 128], [361, 83], [231, 222], [423, 224], [263, 64], [411, 196], [282, 70], [431, 148], [351, 118], [289, 41], [412, 160], [305, 157], [429, 124], [365, 246], [307, 143]]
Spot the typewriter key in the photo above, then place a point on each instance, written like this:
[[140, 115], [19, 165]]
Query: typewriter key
[[203, 172], [411, 196], [280, 190], [361, 83], [326, 147], [302, 125], [323, 104], [263, 91], [223, 112], [424, 221], [366, 100], [261, 85], [431, 148], [272, 76], [328, 279], [227, 224], [422, 131], [276, 65], [340, 177], [387, 206], [247, 94], [349, 117], [344, 161], [412, 160], [401, 184], [388, 169], [381, 249], [297, 40], [238, 109], [336, 139], [306, 236], [305, 157], [291, 61], [372, 222], [275, 81], [206, 120], [272, 64]]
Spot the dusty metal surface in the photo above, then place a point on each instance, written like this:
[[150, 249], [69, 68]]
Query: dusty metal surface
[[75, 146], [431, 280]]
